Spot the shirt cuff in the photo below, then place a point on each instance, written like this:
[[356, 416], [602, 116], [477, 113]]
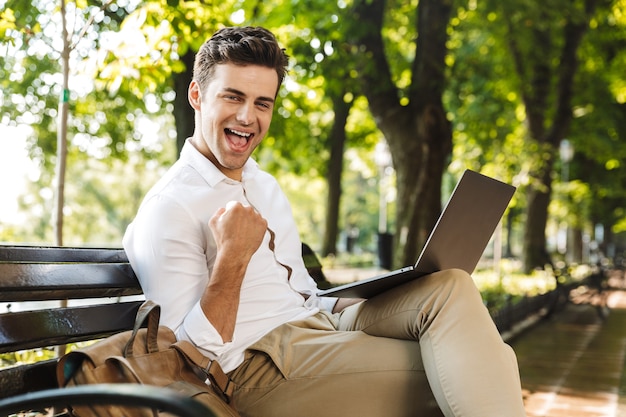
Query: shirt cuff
[[198, 330], [314, 302]]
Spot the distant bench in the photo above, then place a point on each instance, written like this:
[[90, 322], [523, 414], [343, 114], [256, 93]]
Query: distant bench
[[52, 274]]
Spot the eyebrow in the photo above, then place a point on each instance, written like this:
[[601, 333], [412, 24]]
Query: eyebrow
[[242, 94]]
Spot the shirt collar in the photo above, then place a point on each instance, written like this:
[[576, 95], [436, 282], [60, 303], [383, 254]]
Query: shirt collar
[[208, 171]]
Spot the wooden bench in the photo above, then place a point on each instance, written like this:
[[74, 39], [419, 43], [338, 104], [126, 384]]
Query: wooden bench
[[101, 280]]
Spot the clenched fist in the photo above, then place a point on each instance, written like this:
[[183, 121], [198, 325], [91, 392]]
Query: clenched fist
[[238, 229]]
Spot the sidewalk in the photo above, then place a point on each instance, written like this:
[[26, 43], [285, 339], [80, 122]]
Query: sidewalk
[[573, 364]]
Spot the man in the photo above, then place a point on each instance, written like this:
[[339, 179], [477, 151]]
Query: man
[[215, 244]]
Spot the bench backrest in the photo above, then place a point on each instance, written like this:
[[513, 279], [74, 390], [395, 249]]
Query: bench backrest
[[39, 278], [54, 274]]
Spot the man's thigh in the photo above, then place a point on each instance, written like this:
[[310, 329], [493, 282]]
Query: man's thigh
[[409, 310], [331, 373]]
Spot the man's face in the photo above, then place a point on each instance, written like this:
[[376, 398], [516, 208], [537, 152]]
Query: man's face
[[233, 114]]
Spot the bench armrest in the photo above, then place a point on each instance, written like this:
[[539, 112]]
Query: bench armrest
[[107, 394]]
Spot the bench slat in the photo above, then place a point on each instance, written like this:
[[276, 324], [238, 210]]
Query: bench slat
[[35, 282], [60, 254], [28, 378], [32, 329]]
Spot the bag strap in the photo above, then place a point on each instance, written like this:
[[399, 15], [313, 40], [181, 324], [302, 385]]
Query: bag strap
[[220, 382], [150, 312], [122, 363]]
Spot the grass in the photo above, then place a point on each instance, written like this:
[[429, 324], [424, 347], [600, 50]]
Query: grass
[[509, 284]]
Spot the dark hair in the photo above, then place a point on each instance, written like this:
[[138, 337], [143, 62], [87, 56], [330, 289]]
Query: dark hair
[[239, 46]]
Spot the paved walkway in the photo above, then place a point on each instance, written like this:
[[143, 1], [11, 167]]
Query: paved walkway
[[573, 364]]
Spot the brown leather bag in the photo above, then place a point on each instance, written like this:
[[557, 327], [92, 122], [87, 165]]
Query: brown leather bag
[[150, 356]]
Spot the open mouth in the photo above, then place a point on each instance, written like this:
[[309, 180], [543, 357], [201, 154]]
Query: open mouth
[[238, 139]]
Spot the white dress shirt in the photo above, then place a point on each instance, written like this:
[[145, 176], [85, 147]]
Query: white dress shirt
[[172, 251]]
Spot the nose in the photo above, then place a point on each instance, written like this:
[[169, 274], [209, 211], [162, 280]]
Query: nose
[[245, 114]]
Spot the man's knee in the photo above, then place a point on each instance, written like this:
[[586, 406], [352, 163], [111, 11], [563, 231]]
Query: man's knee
[[451, 281]]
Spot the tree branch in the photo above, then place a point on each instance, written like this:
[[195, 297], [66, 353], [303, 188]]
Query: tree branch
[[428, 74], [88, 24], [381, 93], [573, 33]]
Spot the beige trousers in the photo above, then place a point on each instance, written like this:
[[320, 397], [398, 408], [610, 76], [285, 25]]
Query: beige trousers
[[425, 348]]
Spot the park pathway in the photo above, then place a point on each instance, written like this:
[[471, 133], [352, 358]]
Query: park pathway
[[572, 364]]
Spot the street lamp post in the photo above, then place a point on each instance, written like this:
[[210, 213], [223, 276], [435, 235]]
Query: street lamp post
[[382, 158], [566, 153]]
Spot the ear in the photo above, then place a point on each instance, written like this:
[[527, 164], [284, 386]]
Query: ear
[[193, 95]]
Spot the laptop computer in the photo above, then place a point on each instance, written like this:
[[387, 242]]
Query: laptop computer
[[458, 239]]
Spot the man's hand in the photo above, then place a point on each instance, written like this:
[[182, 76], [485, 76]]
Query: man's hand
[[238, 233], [238, 230]]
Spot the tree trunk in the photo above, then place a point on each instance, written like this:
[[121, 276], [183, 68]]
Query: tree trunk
[[547, 90], [535, 253], [337, 142], [183, 114], [62, 144], [418, 134], [62, 132], [419, 170]]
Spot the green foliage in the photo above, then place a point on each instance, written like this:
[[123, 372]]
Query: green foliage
[[299, 138], [123, 66], [500, 291], [102, 196], [310, 193], [25, 356], [509, 91], [479, 84], [35, 355]]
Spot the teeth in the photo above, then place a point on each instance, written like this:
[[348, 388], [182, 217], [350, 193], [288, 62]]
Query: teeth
[[244, 134]]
